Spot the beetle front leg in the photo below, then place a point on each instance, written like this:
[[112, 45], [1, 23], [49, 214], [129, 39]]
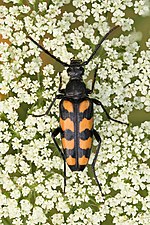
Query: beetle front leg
[[48, 110], [60, 84], [97, 102], [54, 135], [93, 82], [98, 139]]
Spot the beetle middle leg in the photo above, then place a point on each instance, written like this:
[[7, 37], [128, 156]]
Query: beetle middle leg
[[97, 102], [54, 135], [56, 97], [49, 108], [98, 139]]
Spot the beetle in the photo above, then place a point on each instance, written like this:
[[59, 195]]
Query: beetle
[[76, 115]]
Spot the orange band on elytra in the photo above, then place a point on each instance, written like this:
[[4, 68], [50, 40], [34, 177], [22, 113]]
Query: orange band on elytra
[[68, 106], [85, 124], [67, 124], [84, 144], [84, 105], [83, 160], [67, 144], [71, 161]]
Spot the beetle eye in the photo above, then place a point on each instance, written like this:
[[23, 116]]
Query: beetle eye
[[69, 69], [82, 70]]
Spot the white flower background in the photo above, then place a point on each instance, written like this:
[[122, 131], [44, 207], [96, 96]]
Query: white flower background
[[31, 175]]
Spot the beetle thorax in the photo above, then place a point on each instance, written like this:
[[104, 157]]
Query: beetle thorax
[[76, 89]]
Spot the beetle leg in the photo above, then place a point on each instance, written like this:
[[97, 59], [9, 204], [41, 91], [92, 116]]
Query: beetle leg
[[54, 134], [98, 139], [60, 84], [94, 79], [97, 102], [49, 108], [93, 82]]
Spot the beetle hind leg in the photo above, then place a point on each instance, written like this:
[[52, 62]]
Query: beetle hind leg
[[54, 134], [97, 102], [98, 139]]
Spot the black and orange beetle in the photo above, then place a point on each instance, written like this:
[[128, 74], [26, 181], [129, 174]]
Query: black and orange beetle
[[76, 115]]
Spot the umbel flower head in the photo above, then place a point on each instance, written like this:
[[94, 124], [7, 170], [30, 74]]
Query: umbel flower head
[[31, 175]]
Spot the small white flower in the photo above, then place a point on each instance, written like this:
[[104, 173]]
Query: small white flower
[[24, 167], [37, 216], [9, 163], [13, 210], [25, 190], [4, 147], [42, 6], [4, 88], [25, 207], [15, 194], [58, 219], [142, 7], [83, 13], [17, 221]]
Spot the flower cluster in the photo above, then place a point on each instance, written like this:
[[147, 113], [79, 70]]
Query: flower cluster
[[31, 175]]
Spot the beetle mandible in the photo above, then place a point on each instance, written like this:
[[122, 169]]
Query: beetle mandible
[[76, 115]]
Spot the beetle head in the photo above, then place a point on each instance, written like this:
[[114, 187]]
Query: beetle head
[[75, 70]]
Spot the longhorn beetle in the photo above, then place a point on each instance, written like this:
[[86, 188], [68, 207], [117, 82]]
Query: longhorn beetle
[[76, 115]]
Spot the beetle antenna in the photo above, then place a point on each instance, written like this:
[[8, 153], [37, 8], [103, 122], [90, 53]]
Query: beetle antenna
[[48, 53], [99, 45]]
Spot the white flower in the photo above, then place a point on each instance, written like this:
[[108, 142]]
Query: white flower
[[25, 191], [39, 176], [42, 6], [33, 67], [15, 194], [9, 163], [19, 38], [3, 11], [58, 219], [24, 167], [37, 216], [17, 221], [4, 147], [82, 13], [141, 7], [4, 88], [61, 206], [12, 209], [25, 207]]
